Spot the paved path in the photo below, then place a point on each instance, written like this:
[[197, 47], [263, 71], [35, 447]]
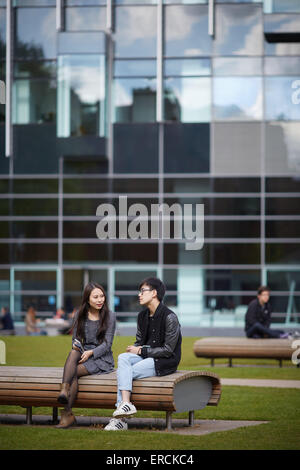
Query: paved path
[[262, 383]]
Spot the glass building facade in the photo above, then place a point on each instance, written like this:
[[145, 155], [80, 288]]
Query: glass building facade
[[162, 101]]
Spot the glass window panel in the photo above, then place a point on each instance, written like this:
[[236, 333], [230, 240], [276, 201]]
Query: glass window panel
[[35, 186], [282, 65], [187, 67], [86, 165], [100, 276], [239, 30], [283, 185], [35, 280], [130, 280], [135, 151], [283, 108], [237, 98], [81, 95], [32, 229], [186, 148], [282, 48], [84, 229], [217, 253], [81, 42], [136, 2], [186, 31], [85, 2], [187, 99], [73, 280], [232, 229], [35, 207], [90, 185], [282, 148], [34, 101], [34, 253], [135, 31], [237, 66], [2, 33], [135, 68], [219, 185], [134, 100], [5, 205], [282, 206], [280, 229], [82, 206], [85, 18], [281, 6], [239, 154], [4, 279], [139, 253], [41, 303], [35, 69], [4, 229], [140, 185], [283, 280], [82, 252], [32, 3], [221, 206], [283, 253], [36, 33]]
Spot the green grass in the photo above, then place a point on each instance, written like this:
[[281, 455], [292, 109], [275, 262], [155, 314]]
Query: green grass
[[280, 407]]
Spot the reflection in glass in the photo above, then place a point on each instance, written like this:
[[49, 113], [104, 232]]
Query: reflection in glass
[[130, 280], [282, 149], [2, 32], [36, 33], [283, 185], [284, 107], [237, 98], [81, 95], [186, 31], [278, 229], [210, 185], [239, 30], [187, 99], [282, 206], [34, 101], [135, 68], [135, 31], [32, 68], [34, 229], [237, 66], [187, 67], [281, 6], [216, 253], [282, 48], [283, 280], [35, 280], [4, 279], [282, 253], [134, 100], [85, 18], [282, 65]]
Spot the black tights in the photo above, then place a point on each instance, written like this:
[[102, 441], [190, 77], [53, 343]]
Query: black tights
[[72, 371]]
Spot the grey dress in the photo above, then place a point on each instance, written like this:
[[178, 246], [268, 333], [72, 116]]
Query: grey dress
[[102, 360]]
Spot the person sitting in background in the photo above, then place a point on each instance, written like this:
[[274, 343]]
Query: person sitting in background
[[60, 314], [31, 323], [258, 317], [6, 320]]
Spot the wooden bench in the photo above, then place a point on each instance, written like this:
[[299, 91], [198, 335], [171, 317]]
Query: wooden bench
[[231, 347], [178, 392]]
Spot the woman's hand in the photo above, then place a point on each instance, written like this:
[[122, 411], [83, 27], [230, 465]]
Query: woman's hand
[[133, 349], [85, 356]]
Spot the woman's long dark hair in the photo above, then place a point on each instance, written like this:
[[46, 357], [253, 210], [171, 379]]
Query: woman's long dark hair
[[82, 313]]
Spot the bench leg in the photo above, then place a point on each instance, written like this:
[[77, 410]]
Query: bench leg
[[229, 362], [169, 420], [29, 415], [191, 418], [280, 362], [55, 415], [212, 362]]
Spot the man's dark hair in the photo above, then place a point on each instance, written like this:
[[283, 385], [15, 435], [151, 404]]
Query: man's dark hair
[[156, 284], [262, 289]]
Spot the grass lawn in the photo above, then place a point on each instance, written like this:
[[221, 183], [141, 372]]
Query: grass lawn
[[280, 407]]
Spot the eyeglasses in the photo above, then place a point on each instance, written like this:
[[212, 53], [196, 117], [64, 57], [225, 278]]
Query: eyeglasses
[[140, 292]]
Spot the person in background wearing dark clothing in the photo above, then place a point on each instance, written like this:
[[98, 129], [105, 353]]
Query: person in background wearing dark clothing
[[258, 317], [6, 320]]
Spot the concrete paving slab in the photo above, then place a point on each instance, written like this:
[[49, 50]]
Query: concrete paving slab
[[262, 383]]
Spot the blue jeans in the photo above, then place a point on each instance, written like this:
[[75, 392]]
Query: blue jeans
[[260, 331], [130, 367]]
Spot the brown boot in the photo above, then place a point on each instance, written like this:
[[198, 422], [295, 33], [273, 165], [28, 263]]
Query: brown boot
[[67, 419], [63, 396]]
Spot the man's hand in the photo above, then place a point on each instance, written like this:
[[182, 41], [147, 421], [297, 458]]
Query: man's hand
[[133, 349], [85, 356]]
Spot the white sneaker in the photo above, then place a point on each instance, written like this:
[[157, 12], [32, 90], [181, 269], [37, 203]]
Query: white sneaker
[[116, 425], [124, 409]]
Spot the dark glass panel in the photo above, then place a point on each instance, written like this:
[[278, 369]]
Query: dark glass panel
[[135, 31], [35, 33], [73, 280], [282, 253], [35, 69], [283, 280], [138, 185], [126, 303], [135, 68], [84, 229], [186, 31], [100, 276], [283, 185], [222, 206], [282, 206], [33, 229], [89, 185], [34, 101], [35, 186], [186, 148], [217, 253], [85, 18], [218, 185], [82, 252], [35, 280], [231, 229], [82, 206], [34, 253], [4, 229], [130, 280], [139, 253], [239, 30], [283, 229], [84, 163], [282, 147], [135, 148], [4, 279], [2, 33], [34, 207]]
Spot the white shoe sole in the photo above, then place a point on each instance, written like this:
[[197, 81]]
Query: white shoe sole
[[127, 414]]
